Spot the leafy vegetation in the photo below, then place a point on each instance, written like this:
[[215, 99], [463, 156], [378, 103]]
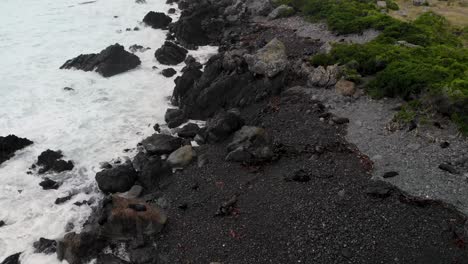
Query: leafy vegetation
[[409, 59]]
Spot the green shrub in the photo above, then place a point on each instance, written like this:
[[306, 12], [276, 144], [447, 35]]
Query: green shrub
[[392, 5]]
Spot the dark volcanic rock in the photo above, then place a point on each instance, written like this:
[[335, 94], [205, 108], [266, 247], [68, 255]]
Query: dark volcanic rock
[[160, 144], [117, 179], [48, 184], [10, 144], [198, 26], [157, 20], [80, 248], [50, 160], [64, 199], [170, 54], [13, 259], [109, 62], [390, 174], [189, 131], [223, 125], [171, 11], [225, 82], [169, 72], [153, 172], [46, 246], [174, 117], [449, 168], [2, 223]]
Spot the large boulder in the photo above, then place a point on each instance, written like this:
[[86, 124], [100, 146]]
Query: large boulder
[[269, 60], [170, 54], [118, 179], [188, 131], [160, 144], [109, 62], [10, 144], [157, 20], [250, 144], [51, 161], [13, 259], [154, 172], [223, 125], [128, 219], [174, 117], [181, 157]]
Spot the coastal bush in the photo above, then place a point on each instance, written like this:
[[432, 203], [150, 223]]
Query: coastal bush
[[425, 56]]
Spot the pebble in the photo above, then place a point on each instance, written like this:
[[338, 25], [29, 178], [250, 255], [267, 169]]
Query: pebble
[[449, 168], [390, 174]]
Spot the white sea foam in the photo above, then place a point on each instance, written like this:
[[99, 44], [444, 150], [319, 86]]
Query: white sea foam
[[91, 124]]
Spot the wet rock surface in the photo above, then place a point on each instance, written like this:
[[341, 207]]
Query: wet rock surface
[[169, 72], [109, 62], [157, 20], [118, 179], [10, 144], [13, 259], [170, 54], [46, 246], [51, 161]]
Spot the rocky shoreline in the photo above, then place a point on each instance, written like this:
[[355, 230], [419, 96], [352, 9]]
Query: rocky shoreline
[[270, 178]]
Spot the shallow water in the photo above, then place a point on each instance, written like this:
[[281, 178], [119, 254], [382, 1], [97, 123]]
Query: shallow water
[[93, 123]]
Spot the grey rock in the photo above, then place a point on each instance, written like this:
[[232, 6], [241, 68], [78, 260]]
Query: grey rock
[[269, 60], [46, 246], [281, 11], [420, 2], [181, 157], [324, 76], [250, 144]]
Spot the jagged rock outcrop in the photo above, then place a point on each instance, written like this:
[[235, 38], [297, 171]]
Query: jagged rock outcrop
[[226, 82], [10, 144], [51, 161], [109, 62]]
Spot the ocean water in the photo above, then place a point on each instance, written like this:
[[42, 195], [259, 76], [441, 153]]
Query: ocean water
[[92, 124]]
